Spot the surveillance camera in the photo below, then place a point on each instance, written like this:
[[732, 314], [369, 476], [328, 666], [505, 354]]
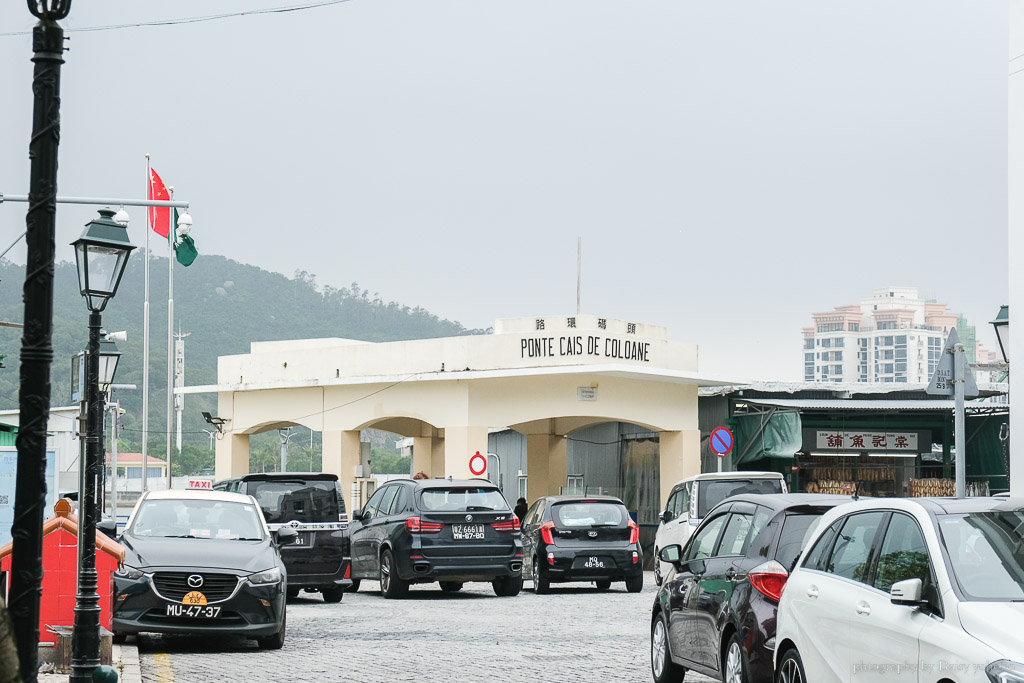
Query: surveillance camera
[[118, 336]]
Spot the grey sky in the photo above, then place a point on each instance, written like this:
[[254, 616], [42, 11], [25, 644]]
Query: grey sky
[[731, 167]]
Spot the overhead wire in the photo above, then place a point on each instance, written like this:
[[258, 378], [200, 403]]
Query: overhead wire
[[190, 20]]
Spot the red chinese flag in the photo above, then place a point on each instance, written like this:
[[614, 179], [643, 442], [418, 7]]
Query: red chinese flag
[[159, 216]]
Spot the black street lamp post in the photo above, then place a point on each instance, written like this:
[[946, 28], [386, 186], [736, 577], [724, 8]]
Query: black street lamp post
[[109, 357], [36, 341], [101, 254]]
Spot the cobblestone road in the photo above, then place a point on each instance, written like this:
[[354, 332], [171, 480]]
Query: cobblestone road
[[574, 633]]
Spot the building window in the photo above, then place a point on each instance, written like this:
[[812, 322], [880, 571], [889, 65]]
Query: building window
[[853, 327], [830, 327], [901, 367], [902, 339], [887, 368], [837, 369], [808, 343], [887, 354], [839, 342], [808, 357], [886, 325], [826, 343], [522, 488], [574, 484], [837, 355]]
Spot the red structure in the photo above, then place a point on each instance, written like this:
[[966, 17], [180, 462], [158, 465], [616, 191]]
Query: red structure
[[60, 570]]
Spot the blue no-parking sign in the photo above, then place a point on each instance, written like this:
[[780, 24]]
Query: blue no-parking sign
[[721, 441]]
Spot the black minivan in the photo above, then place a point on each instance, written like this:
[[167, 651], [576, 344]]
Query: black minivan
[[313, 505], [444, 530]]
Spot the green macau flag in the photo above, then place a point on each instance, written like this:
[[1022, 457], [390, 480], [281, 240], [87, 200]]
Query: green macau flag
[[185, 250]]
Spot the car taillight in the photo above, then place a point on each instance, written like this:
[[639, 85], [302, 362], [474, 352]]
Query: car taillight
[[348, 571], [414, 525], [545, 533], [769, 579], [510, 525], [634, 531]]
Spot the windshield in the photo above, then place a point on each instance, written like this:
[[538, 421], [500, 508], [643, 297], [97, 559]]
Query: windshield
[[462, 499], [986, 552], [296, 500], [192, 518], [589, 514], [712, 492]]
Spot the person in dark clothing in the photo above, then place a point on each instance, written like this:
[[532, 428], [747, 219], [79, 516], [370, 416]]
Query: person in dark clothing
[[521, 508]]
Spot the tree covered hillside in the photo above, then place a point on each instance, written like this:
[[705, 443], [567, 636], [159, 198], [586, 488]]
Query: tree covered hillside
[[223, 304]]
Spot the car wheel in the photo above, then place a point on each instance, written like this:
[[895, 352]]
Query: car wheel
[[658, 578], [507, 587], [791, 668], [332, 595], [119, 638], [293, 593], [603, 585], [276, 641], [540, 584], [635, 584], [663, 668], [736, 661], [451, 586], [391, 585], [354, 587]]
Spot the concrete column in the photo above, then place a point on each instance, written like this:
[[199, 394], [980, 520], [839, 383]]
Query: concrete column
[[422, 454], [1015, 241], [679, 457], [341, 455], [545, 464], [459, 444], [231, 458], [436, 457]]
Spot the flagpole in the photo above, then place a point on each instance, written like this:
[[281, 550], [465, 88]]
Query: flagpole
[[145, 333], [171, 237]]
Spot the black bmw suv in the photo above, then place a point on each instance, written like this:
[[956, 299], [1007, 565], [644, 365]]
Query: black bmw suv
[[582, 538], [449, 531], [311, 503]]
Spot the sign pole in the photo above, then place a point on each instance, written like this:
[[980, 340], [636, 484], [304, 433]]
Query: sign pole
[[959, 358]]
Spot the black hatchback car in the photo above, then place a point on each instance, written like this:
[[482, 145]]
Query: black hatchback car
[[450, 531], [582, 538], [715, 611], [311, 503], [200, 562]]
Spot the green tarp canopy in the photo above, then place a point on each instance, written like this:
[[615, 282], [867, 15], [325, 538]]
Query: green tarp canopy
[[767, 435]]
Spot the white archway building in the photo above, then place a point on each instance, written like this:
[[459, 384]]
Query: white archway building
[[543, 377]]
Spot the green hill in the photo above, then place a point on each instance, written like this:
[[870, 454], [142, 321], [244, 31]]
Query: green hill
[[223, 304]]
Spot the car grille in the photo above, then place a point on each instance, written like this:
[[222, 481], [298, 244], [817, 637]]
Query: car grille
[[174, 585]]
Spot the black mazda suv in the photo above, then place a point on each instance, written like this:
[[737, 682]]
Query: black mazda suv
[[582, 538], [449, 531]]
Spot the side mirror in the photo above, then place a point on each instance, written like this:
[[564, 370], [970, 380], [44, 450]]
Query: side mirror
[[107, 526], [357, 515], [906, 592], [666, 516], [671, 554], [286, 536]]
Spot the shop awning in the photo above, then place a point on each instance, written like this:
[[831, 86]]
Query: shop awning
[[774, 434], [870, 404]]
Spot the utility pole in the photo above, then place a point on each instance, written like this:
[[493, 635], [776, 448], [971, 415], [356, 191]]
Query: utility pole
[[179, 379], [286, 435]]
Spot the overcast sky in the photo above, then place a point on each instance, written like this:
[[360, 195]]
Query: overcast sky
[[730, 166]]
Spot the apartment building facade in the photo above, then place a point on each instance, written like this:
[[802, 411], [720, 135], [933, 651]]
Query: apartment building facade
[[893, 336]]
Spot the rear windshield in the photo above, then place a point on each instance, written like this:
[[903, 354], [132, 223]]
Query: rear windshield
[[462, 499], [589, 514], [300, 500], [711, 493], [796, 529]]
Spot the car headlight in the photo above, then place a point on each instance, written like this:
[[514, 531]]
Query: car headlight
[[128, 572], [1005, 671], [265, 577]]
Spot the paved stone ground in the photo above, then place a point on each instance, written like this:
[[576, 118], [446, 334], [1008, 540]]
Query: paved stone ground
[[574, 633]]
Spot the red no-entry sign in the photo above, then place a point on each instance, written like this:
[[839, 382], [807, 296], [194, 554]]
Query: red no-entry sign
[[477, 464]]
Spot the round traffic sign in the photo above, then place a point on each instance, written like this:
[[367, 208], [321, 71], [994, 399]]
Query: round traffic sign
[[721, 441], [477, 464]]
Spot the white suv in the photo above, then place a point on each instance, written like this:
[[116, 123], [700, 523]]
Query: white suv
[[692, 498], [907, 589]]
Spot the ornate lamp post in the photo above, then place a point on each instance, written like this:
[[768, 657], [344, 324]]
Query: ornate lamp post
[[109, 357], [101, 254]]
